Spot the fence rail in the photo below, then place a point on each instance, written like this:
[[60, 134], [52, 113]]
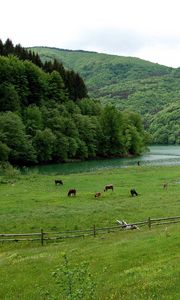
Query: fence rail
[[67, 234]]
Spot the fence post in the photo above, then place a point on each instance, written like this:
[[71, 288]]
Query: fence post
[[149, 222], [42, 237], [94, 230]]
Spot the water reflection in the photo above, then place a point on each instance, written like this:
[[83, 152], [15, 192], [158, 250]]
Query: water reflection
[[158, 155]]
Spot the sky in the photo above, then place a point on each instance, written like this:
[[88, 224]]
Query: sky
[[148, 29]]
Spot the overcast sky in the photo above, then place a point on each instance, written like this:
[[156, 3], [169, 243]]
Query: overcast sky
[[148, 29]]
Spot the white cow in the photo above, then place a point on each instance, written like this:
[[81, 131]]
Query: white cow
[[124, 225]]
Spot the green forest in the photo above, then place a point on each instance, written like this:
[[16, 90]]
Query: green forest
[[150, 89], [46, 114]]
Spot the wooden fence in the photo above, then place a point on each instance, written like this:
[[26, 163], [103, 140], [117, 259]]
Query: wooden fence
[[61, 235]]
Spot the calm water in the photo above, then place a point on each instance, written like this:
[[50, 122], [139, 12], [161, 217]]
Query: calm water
[[158, 155]]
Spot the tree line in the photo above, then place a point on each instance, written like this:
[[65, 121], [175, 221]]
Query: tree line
[[73, 83], [42, 122]]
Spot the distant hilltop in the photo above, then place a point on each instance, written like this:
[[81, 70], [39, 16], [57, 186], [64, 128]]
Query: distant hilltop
[[61, 49]]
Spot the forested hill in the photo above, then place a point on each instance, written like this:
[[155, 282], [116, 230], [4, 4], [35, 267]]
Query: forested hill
[[128, 82], [47, 116]]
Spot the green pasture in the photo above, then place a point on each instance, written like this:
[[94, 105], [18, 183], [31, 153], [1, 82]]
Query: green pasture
[[142, 264]]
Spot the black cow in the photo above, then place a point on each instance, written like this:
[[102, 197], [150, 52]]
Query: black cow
[[72, 192], [58, 181], [133, 192]]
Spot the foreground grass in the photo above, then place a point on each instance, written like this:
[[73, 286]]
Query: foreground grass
[[126, 265]]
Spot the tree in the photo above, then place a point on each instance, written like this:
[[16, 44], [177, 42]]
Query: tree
[[6, 70], [72, 108], [134, 137], [82, 151], [75, 86], [37, 84], [56, 89], [1, 47], [12, 71], [80, 87], [87, 134], [132, 140], [4, 152], [33, 120], [90, 107], [57, 66], [72, 147], [12, 133], [61, 147], [9, 98], [111, 136], [44, 144], [8, 47]]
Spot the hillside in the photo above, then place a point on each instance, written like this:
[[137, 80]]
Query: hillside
[[121, 80], [125, 82]]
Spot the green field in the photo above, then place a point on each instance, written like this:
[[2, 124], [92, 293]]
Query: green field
[[127, 265]]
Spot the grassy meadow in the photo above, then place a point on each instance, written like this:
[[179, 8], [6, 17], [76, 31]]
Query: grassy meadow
[[129, 265]]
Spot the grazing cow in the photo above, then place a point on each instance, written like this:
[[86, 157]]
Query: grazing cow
[[58, 181], [108, 187], [133, 192], [98, 194], [72, 192], [124, 225], [165, 185]]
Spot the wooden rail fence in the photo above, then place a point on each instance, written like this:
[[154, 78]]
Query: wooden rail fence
[[55, 236]]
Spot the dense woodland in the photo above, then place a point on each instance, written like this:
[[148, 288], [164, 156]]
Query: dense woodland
[[46, 114], [150, 89]]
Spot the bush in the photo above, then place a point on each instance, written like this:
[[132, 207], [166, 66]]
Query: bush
[[75, 282]]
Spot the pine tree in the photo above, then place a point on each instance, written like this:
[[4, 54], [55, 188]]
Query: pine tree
[[8, 47], [1, 48]]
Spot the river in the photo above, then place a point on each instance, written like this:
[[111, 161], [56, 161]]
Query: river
[[158, 155]]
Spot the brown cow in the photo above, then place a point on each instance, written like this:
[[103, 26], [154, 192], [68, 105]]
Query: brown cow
[[165, 185], [72, 192], [108, 187], [98, 194]]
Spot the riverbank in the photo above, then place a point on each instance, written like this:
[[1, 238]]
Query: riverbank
[[157, 156]]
